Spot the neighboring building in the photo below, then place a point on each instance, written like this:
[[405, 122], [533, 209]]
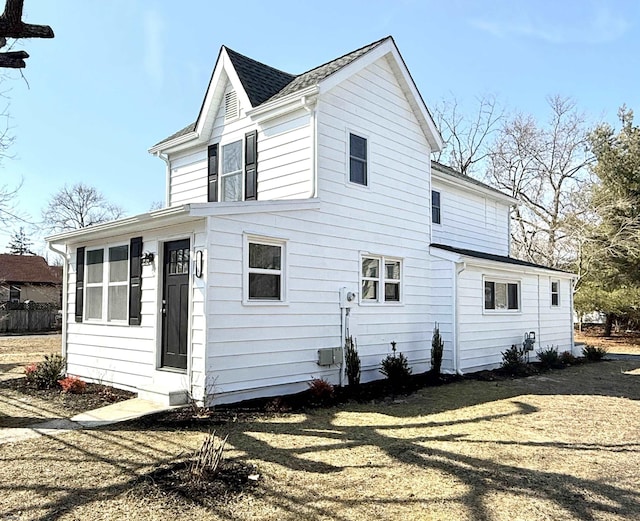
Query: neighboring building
[[302, 209], [29, 278]]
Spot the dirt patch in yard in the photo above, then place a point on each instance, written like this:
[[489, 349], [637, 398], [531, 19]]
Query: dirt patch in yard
[[18, 351], [623, 342]]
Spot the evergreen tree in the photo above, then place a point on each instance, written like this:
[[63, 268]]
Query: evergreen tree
[[20, 244]]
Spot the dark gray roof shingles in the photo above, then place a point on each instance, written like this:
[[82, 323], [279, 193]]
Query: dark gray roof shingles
[[454, 173], [493, 257], [263, 83]]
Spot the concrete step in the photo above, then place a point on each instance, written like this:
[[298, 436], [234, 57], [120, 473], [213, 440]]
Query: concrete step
[[163, 395]]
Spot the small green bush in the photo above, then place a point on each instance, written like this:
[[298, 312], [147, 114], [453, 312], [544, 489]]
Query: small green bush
[[513, 360], [396, 368], [594, 353], [437, 350], [549, 358], [352, 361], [45, 374]]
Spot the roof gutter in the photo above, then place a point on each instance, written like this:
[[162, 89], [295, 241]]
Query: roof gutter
[[65, 296], [282, 106]]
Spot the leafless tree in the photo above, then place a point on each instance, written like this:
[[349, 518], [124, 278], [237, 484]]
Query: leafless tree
[[545, 167], [78, 206], [467, 139], [12, 26]]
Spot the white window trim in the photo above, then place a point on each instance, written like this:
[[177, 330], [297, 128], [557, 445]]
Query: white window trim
[[551, 304], [105, 285], [365, 136], [271, 241], [380, 301], [499, 280]]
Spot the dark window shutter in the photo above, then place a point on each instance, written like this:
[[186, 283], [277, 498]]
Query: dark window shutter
[[135, 281], [213, 173], [251, 166], [79, 283]]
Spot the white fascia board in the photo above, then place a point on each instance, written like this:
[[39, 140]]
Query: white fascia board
[[251, 207], [230, 70], [162, 147], [136, 223], [284, 105], [211, 88], [472, 187], [388, 48]]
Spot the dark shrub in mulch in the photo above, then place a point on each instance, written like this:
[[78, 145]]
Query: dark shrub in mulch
[[231, 479]]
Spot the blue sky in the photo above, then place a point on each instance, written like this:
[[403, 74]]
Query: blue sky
[[121, 75]]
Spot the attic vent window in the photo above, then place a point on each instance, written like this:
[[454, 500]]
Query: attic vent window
[[231, 109]]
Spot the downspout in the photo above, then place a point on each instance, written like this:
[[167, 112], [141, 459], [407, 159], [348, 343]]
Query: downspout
[[460, 267], [571, 289], [167, 194], [313, 125], [539, 330], [65, 297]]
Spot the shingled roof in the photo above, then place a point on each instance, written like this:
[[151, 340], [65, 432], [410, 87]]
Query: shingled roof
[[28, 269], [263, 83], [467, 179]]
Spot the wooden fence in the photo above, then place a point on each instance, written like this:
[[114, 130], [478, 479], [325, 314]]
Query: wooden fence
[[28, 320]]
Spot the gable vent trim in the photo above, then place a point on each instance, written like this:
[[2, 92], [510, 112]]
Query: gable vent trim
[[231, 107]]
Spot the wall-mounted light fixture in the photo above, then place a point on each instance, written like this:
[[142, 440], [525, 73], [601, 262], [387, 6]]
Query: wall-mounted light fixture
[[199, 263], [147, 258]]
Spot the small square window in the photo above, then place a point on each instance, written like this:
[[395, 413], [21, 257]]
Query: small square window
[[265, 271], [375, 280], [357, 160]]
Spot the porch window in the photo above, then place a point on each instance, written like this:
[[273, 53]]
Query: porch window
[[107, 284], [265, 271], [501, 296], [380, 279]]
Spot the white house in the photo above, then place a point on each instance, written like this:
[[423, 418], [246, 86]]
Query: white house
[[301, 209]]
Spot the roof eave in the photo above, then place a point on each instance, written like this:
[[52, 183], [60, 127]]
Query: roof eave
[[281, 106], [473, 187], [166, 145]]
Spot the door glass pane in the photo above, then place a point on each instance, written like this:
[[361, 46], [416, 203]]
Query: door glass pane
[[118, 263], [95, 259], [264, 256], [185, 261], [117, 303], [264, 286], [94, 302]]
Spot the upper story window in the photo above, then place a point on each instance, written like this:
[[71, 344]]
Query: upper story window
[[435, 207], [107, 284], [358, 160], [233, 170], [501, 296], [380, 279], [265, 270], [555, 293]]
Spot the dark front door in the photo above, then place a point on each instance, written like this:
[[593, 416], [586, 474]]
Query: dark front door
[[175, 304]]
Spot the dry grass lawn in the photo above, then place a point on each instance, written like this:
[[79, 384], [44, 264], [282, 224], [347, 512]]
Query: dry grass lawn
[[19, 351], [560, 446], [618, 343]]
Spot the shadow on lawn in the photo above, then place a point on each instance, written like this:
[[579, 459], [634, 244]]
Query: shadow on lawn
[[384, 428]]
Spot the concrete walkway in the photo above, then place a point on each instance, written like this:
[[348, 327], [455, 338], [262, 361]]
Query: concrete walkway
[[110, 414]]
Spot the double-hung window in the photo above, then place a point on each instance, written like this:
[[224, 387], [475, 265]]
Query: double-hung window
[[231, 172], [501, 296], [380, 279], [107, 284], [555, 293], [358, 160], [265, 270]]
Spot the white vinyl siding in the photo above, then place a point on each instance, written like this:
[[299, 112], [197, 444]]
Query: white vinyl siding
[[471, 220]]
